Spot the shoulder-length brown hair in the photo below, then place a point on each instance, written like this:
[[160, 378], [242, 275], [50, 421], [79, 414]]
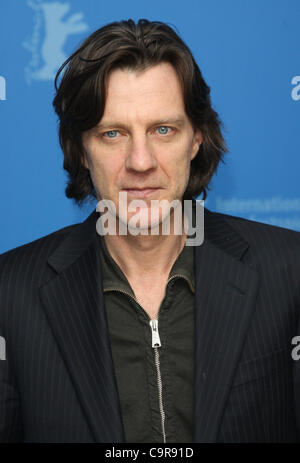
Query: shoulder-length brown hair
[[80, 97]]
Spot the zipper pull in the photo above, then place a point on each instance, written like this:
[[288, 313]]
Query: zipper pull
[[155, 336]]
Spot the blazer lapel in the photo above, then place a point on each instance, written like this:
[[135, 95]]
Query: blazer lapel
[[224, 301], [74, 306]]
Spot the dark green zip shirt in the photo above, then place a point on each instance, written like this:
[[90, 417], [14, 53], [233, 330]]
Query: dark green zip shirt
[[155, 385]]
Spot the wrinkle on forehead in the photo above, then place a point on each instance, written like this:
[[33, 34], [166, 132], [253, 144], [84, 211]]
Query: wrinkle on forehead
[[144, 95]]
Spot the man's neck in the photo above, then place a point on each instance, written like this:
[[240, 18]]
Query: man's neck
[[145, 256]]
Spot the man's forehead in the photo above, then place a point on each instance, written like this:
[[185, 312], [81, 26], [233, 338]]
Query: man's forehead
[[124, 82], [179, 121], [151, 97]]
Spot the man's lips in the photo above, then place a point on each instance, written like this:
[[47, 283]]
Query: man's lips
[[140, 192]]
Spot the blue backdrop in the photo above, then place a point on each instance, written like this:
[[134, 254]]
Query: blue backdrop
[[249, 54]]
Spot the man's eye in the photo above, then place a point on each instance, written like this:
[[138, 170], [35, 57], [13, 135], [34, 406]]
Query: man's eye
[[111, 134], [163, 130]]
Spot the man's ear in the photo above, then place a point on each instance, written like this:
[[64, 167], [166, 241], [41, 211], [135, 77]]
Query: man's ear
[[197, 141]]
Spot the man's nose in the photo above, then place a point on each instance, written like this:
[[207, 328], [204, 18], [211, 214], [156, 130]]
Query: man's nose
[[140, 156]]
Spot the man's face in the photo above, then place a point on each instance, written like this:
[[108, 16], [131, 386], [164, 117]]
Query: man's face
[[144, 143]]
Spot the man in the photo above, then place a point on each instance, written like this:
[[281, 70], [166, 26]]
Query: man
[[137, 337]]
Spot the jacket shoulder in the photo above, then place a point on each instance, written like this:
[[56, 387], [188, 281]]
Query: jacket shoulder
[[242, 223], [265, 237], [38, 249]]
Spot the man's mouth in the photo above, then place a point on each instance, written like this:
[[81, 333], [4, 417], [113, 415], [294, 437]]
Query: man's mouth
[[140, 192]]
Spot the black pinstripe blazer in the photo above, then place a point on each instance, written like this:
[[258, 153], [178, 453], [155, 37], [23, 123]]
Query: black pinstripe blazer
[[57, 383]]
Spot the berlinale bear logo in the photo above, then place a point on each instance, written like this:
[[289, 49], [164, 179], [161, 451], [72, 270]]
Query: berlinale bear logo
[[50, 31]]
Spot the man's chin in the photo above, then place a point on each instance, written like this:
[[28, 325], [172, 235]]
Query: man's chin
[[143, 220], [155, 217], [149, 222]]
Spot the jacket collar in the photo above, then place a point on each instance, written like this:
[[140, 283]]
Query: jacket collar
[[73, 303], [226, 289]]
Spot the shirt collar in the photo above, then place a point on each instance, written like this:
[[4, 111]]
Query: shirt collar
[[112, 275]]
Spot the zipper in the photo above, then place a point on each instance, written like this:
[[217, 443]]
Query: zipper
[[122, 291], [155, 344]]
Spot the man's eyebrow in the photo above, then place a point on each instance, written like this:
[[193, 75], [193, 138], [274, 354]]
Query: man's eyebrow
[[177, 121]]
